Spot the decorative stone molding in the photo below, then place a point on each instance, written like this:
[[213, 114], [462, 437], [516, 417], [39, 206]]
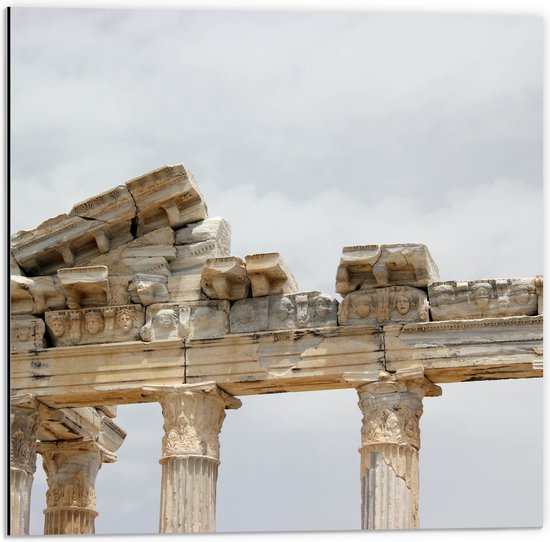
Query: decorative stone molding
[[148, 289], [381, 306], [71, 468], [94, 326], [269, 275], [225, 278], [212, 229], [166, 321], [275, 312], [112, 206], [24, 424], [150, 259], [390, 440], [85, 286], [27, 334], [454, 300], [166, 196], [384, 265]]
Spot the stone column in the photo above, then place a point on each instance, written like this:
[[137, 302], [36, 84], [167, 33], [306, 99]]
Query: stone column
[[24, 423], [390, 443], [71, 469], [193, 417]]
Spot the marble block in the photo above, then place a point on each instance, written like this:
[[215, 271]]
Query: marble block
[[111, 206], [166, 321], [385, 265], [94, 326], [147, 289], [269, 275], [225, 278], [216, 229], [184, 288], [380, 306], [454, 300], [191, 258], [27, 334], [35, 295], [209, 319], [166, 196], [85, 286], [276, 312]]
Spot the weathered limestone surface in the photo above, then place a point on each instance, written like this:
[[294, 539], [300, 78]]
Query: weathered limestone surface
[[454, 300], [94, 326], [211, 229], [36, 295], [269, 275], [275, 312], [539, 283], [27, 333], [148, 289], [85, 286], [209, 319], [166, 321], [166, 196], [380, 306], [385, 265], [193, 417], [225, 278]]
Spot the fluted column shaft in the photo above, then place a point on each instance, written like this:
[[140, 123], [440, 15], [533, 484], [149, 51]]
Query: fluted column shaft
[[193, 417], [71, 469], [24, 423], [390, 444]]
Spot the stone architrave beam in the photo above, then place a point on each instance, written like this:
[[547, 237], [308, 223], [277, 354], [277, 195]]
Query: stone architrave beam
[[269, 275]]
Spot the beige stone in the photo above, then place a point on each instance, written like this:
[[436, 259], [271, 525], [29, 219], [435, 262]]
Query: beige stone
[[112, 206], [166, 196], [368, 266], [190, 259], [27, 334], [269, 275], [209, 319], [85, 286], [454, 300], [212, 229], [36, 295], [184, 288], [166, 321], [381, 306], [225, 278], [148, 289]]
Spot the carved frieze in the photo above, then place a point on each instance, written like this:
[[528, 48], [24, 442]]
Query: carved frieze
[[269, 313], [166, 321], [166, 196], [225, 278], [384, 265], [36, 295], [85, 286], [114, 205], [95, 325], [27, 334], [454, 300], [191, 258], [380, 306], [269, 275]]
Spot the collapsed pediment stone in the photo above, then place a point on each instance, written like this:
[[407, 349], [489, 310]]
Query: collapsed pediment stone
[[454, 300], [27, 333], [166, 196], [85, 286], [35, 295], [225, 278], [269, 275], [94, 326], [381, 306], [367, 266], [276, 312]]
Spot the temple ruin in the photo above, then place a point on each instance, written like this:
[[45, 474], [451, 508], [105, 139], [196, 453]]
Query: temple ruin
[[134, 296]]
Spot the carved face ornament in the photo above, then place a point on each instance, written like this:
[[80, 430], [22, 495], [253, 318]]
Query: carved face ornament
[[482, 294], [57, 326], [125, 320], [402, 304], [165, 318], [520, 294], [94, 322], [322, 307]]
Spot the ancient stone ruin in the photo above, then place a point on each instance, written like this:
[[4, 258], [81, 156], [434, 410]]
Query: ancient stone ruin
[[134, 296]]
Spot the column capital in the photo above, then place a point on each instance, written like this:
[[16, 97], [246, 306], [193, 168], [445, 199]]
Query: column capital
[[24, 424]]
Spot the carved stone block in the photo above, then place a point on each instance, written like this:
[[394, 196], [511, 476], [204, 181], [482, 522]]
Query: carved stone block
[[119, 290], [225, 278], [185, 288], [114, 205], [166, 321], [27, 333], [35, 295], [276, 312], [154, 266], [191, 258], [66, 241], [380, 306], [454, 300], [385, 265], [148, 289], [209, 319], [113, 259], [85, 286], [212, 229], [269, 275], [97, 325], [166, 196]]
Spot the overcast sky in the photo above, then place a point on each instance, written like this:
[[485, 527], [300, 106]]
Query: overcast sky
[[307, 131]]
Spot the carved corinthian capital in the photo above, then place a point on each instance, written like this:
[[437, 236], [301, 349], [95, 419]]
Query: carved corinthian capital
[[24, 422], [193, 417]]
